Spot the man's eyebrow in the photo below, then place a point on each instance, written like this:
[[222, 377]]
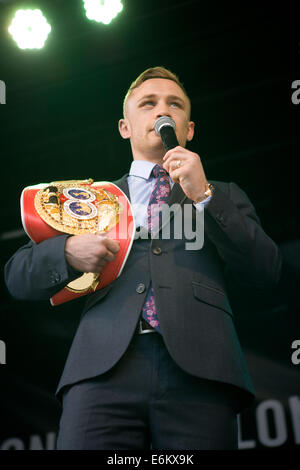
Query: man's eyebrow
[[169, 97], [147, 97], [175, 97]]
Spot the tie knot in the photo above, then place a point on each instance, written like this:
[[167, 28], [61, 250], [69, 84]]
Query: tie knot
[[158, 170]]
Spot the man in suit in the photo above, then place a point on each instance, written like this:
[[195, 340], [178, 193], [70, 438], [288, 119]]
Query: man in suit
[[156, 360]]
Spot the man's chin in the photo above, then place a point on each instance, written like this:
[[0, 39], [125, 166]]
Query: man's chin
[[155, 150], [158, 148]]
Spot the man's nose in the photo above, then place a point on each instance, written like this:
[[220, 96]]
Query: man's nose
[[162, 109]]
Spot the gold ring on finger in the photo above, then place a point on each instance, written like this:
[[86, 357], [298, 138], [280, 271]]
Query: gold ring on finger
[[178, 164]]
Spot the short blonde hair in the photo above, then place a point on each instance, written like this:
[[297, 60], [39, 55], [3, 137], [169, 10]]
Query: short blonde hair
[[153, 72]]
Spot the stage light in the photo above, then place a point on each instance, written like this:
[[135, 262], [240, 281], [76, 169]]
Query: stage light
[[102, 11], [30, 29]]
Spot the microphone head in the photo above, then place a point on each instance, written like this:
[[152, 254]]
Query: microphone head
[[162, 122]]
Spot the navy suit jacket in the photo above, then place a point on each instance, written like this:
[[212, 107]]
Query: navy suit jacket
[[195, 315]]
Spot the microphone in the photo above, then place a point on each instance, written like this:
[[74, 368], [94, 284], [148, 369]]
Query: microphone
[[165, 127]]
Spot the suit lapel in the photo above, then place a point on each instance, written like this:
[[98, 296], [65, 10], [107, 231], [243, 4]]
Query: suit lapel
[[123, 185], [176, 195]]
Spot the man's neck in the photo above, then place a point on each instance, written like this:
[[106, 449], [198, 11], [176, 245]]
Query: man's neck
[[153, 157]]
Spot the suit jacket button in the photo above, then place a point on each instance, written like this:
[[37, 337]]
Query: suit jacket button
[[140, 288], [156, 250]]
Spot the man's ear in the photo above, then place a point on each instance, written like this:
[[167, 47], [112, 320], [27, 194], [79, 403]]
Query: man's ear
[[191, 129], [124, 128]]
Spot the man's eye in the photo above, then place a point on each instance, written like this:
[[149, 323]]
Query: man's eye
[[177, 105], [148, 103]]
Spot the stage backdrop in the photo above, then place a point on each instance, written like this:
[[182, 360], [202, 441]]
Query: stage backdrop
[[35, 338]]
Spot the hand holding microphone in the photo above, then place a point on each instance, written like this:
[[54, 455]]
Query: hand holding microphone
[[183, 166]]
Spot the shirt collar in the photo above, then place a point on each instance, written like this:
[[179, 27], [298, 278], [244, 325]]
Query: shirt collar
[[141, 168]]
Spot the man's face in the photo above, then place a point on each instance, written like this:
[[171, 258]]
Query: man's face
[[156, 97]]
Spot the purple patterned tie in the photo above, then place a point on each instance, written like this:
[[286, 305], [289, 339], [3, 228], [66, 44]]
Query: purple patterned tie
[[158, 197]]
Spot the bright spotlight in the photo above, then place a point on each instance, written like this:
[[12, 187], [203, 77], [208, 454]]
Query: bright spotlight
[[102, 11], [30, 29]]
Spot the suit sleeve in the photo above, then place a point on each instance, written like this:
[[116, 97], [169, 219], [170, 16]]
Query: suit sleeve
[[38, 271], [249, 254]]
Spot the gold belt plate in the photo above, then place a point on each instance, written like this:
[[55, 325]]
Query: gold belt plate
[[76, 208]]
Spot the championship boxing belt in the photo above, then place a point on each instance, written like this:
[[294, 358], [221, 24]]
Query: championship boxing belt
[[77, 207]]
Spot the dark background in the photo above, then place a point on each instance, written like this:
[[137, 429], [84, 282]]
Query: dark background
[[238, 63]]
